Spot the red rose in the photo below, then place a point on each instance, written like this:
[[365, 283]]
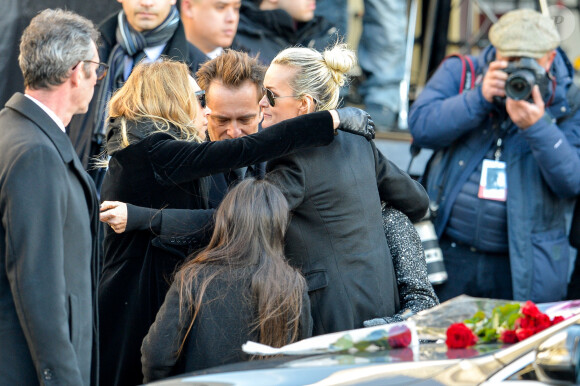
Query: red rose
[[542, 322], [523, 323], [523, 333], [508, 336], [530, 309], [460, 336], [401, 337], [557, 319]]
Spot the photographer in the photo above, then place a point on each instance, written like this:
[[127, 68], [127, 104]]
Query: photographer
[[508, 243]]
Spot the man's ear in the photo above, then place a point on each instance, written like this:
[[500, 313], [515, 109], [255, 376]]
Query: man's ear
[[78, 73], [185, 9], [551, 57]]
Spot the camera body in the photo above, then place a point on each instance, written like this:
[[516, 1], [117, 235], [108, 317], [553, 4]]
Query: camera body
[[523, 74]]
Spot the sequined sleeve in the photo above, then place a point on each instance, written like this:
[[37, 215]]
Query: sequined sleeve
[[415, 291]]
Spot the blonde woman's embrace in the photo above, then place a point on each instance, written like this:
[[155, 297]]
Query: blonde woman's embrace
[[159, 159]]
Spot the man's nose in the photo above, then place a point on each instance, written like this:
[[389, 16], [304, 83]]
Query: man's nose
[[231, 14], [234, 131]]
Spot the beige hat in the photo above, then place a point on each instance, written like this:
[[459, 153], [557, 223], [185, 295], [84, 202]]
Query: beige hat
[[524, 32]]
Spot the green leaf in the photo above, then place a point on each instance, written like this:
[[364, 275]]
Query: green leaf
[[507, 314], [362, 346], [489, 335], [512, 320], [343, 343], [477, 317], [379, 338]]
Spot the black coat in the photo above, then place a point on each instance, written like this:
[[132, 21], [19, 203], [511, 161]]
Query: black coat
[[81, 127], [48, 252], [268, 32], [160, 172], [224, 323], [336, 236]]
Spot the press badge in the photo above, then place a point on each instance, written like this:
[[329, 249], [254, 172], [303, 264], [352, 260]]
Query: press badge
[[493, 183]]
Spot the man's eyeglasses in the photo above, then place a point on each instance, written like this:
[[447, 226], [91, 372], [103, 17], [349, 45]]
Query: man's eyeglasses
[[272, 98], [102, 68], [200, 95]]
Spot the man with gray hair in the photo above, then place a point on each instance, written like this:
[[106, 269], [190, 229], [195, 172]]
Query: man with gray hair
[[518, 119], [48, 210]]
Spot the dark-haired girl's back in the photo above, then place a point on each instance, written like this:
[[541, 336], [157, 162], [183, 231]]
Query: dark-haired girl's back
[[223, 324], [238, 288]]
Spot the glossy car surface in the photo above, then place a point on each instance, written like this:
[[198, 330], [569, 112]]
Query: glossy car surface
[[427, 364]]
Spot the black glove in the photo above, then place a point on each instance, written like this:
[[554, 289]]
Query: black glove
[[356, 121]]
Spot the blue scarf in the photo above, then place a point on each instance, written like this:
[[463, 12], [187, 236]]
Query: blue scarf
[[129, 43]]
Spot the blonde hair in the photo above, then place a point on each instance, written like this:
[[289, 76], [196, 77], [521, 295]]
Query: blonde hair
[[320, 75], [160, 92]]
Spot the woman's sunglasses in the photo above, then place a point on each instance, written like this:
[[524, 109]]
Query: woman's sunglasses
[[272, 98], [200, 95]]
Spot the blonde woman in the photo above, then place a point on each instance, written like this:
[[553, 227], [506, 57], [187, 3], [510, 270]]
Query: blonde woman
[[158, 160], [336, 235]]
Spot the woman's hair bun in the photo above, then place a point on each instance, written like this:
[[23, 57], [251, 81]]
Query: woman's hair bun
[[340, 60]]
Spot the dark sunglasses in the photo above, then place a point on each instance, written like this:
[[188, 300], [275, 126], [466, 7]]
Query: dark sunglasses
[[200, 95], [102, 68], [272, 98]]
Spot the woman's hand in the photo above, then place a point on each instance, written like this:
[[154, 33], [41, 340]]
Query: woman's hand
[[114, 213], [356, 121]]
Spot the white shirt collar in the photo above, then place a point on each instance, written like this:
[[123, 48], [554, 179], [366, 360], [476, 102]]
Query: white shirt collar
[[151, 53], [50, 113], [215, 53]]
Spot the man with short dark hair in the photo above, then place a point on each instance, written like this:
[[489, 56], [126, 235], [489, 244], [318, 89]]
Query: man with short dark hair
[[210, 25], [233, 86], [141, 31], [48, 210], [510, 242]]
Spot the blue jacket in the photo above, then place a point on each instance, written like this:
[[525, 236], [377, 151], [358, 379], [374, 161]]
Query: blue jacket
[[542, 165]]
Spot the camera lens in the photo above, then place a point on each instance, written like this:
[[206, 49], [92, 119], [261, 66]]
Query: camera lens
[[519, 85], [436, 271]]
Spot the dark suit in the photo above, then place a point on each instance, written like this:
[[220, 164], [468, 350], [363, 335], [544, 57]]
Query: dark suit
[[48, 252], [219, 184], [336, 236]]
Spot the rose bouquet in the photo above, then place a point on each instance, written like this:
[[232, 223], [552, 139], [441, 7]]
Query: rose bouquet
[[509, 323]]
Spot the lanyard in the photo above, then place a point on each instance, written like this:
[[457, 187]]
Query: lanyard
[[502, 132], [498, 148]]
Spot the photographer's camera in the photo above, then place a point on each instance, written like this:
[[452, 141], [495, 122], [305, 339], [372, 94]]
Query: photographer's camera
[[523, 75]]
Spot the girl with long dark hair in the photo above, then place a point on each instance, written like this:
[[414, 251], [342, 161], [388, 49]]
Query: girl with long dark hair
[[239, 288]]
